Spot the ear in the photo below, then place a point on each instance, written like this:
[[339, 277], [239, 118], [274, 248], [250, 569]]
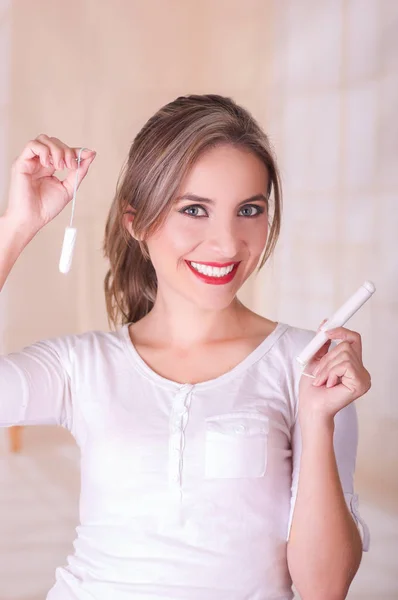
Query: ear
[[128, 219]]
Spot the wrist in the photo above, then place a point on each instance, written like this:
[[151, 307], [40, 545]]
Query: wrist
[[20, 233], [315, 420]]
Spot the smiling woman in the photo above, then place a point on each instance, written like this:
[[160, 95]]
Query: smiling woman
[[188, 417], [227, 231], [196, 188]]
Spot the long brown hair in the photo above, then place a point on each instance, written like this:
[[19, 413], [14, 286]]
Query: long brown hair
[[159, 158]]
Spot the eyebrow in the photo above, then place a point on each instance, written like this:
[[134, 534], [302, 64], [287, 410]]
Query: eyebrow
[[195, 198]]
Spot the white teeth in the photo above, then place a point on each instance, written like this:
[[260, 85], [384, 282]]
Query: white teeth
[[212, 271]]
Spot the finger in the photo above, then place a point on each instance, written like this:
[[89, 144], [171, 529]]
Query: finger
[[313, 364], [343, 351], [70, 181], [324, 321], [332, 380], [56, 150], [32, 156], [71, 154], [347, 335], [68, 155], [323, 350], [333, 366], [86, 153], [345, 372]]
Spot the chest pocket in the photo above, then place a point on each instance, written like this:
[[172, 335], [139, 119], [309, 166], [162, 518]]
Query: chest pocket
[[236, 445]]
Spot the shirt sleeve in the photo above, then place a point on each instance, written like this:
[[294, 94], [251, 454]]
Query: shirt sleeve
[[35, 385], [345, 442]]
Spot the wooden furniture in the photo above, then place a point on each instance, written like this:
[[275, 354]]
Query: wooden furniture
[[15, 438]]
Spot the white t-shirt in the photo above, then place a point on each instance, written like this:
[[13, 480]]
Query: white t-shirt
[[187, 491]]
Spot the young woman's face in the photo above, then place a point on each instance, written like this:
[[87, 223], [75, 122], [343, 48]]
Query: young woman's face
[[229, 229]]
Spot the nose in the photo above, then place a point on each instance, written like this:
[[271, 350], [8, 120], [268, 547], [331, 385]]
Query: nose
[[224, 241]]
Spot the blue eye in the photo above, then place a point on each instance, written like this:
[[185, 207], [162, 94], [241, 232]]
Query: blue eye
[[258, 208], [183, 211]]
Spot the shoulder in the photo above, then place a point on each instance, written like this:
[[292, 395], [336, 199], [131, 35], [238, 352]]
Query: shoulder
[[87, 343], [289, 343], [288, 336], [293, 339]]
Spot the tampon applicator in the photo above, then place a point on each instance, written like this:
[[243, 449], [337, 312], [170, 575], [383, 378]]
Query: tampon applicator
[[338, 319]]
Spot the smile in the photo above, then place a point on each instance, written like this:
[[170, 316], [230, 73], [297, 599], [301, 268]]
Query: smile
[[210, 273]]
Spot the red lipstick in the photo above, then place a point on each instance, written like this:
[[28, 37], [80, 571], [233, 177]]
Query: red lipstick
[[215, 280]]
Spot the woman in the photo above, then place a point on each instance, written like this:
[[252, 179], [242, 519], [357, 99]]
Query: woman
[[202, 475]]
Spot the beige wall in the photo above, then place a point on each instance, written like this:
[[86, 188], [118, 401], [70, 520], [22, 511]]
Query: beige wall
[[332, 94], [321, 77], [5, 84], [91, 73]]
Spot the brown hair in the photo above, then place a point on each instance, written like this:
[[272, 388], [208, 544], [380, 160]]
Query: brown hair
[[159, 158]]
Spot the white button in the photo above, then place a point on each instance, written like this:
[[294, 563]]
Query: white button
[[240, 428], [185, 387]]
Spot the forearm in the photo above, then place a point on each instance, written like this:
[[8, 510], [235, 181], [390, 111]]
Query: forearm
[[13, 240], [324, 549]]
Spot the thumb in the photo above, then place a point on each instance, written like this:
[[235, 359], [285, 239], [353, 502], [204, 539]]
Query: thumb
[[312, 364], [79, 173]]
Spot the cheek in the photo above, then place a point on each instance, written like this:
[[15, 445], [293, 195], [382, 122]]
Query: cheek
[[175, 239], [184, 236], [257, 238], [184, 233]]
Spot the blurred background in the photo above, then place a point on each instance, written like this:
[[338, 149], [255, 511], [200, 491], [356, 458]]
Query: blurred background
[[321, 77]]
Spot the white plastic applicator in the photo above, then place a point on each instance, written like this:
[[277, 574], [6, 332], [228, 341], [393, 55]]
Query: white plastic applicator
[[338, 319]]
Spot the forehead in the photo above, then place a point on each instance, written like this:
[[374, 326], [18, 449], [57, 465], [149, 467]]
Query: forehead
[[227, 171]]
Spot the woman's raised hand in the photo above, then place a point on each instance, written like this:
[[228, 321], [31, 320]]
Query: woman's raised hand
[[36, 196]]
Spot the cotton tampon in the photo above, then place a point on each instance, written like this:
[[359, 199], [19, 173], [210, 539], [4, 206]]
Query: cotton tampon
[[68, 245]]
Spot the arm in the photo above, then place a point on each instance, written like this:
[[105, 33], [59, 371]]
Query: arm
[[35, 382], [324, 548], [13, 240]]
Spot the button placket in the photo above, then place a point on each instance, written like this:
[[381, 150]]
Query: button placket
[[179, 420]]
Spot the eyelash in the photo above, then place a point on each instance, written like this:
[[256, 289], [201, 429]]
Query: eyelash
[[260, 210]]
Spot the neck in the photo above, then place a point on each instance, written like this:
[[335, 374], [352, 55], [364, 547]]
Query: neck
[[183, 324]]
